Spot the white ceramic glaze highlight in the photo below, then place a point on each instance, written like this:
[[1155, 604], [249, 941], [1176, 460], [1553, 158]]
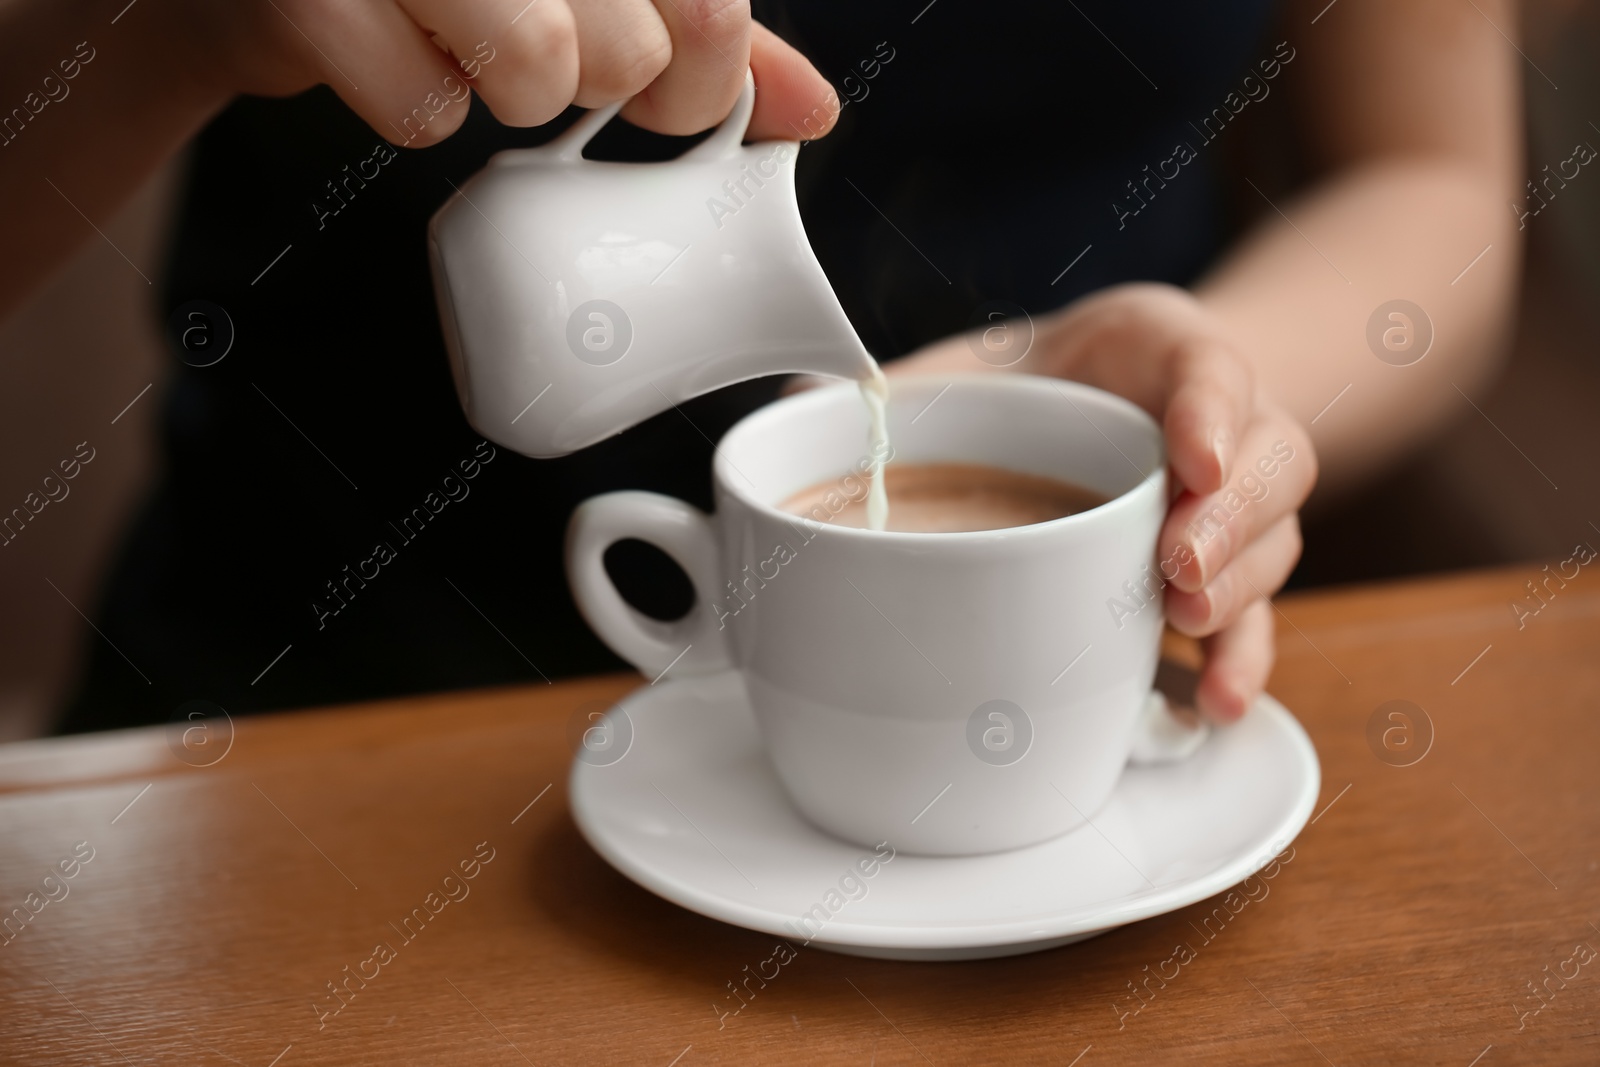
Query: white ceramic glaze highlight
[[875, 661], [693, 812], [581, 297]]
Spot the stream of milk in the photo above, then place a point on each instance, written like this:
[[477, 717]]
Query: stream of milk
[[875, 391]]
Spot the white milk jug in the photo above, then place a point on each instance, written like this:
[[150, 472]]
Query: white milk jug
[[580, 297]]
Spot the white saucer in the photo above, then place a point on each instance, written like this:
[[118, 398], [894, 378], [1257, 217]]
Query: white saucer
[[692, 811]]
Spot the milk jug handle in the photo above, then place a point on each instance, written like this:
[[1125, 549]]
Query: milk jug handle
[[570, 145], [725, 139], [722, 144]]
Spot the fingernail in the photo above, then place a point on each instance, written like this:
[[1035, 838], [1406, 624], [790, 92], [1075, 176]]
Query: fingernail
[[1230, 705], [1197, 564], [1210, 553], [1233, 711], [1203, 554], [1195, 567], [1192, 613], [1220, 441]]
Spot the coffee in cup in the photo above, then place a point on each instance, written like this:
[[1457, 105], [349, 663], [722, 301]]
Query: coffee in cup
[[950, 498]]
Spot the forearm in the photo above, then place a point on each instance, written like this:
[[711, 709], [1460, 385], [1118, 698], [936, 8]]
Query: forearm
[[74, 148], [1299, 297], [1411, 114]]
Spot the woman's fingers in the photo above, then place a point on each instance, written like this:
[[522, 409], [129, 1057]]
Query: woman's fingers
[[1154, 345], [709, 54], [1245, 466], [679, 63], [1271, 477], [793, 101], [382, 64], [623, 46], [1238, 662], [713, 43], [1209, 406], [522, 58], [1259, 571]]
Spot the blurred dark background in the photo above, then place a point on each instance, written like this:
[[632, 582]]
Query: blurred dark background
[[90, 343]]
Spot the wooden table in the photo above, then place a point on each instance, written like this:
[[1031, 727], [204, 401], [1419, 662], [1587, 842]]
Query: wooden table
[[1421, 908]]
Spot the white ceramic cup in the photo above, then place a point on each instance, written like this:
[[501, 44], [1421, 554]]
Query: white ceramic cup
[[950, 693]]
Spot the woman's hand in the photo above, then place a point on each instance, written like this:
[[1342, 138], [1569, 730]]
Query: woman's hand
[[405, 65], [1242, 465]]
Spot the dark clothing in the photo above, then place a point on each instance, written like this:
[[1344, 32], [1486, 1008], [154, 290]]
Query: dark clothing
[[983, 154]]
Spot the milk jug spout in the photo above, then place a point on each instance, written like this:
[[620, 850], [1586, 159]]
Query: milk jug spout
[[580, 297]]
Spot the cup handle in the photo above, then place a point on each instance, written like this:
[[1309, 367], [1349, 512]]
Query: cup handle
[[694, 644], [1161, 738], [722, 144]]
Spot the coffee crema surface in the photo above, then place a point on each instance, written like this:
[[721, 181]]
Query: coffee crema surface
[[950, 498]]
